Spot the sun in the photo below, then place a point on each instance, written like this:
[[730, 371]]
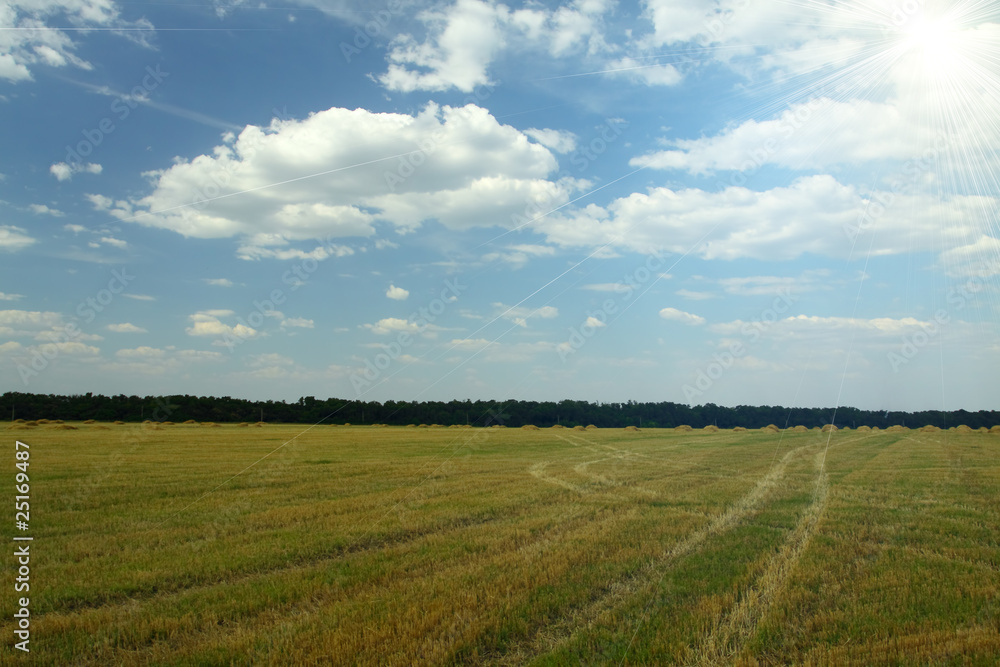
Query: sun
[[934, 42]]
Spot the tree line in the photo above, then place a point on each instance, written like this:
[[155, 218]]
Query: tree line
[[310, 410]]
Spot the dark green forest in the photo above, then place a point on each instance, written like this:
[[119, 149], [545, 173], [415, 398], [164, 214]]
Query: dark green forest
[[310, 410]]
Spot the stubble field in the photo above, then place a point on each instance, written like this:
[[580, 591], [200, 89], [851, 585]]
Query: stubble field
[[201, 545]]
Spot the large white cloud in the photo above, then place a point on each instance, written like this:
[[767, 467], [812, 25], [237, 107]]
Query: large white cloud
[[339, 172], [815, 214]]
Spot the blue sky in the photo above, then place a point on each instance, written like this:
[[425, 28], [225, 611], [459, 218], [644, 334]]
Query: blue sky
[[726, 202]]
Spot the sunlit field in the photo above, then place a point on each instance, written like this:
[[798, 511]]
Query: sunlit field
[[200, 545]]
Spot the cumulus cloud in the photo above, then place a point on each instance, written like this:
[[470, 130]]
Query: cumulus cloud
[[218, 282], [13, 238], [560, 141], [336, 173], [814, 214], [680, 316], [126, 327], [520, 315], [463, 40], [207, 323], [397, 293], [42, 209], [297, 323], [36, 35], [64, 172], [390, 325]]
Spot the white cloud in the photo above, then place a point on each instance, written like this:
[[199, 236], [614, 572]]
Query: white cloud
[[520, 315], [140, 297], [519, 255], [815, 214], [76, 229], [297, 322], [126, 327], [695, 296], [648, 73], [100, 202], [772, 285], [142, 352], [397, 293], [560, 141], [218, 282], [975, 260], [111, 241], [462, 42], [680, 316], [10, 297], [28, 322], [63, 171], [333, 184], [42, 209], [594, 323], [36, 35], [207, 323], [393, 325], [13, 238]]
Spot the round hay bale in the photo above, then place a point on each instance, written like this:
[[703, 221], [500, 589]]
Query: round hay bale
[[739, 429], [631, 428], [422, 426], [530, 427], [455, 426], [711, 428], [347, 423], [864, 429], [579, 428], [166, 423], [89, 421], [190, 421], [18, 421], [58, 421], [558, 426], [259, 424], [42, 421], [995, 429], [591, 427], [771, 428], [896, 428], [929, 429], [437, 426], [683, 428], [829, 428], [962, 428], [800, 429], [119, 423], [243, 424]]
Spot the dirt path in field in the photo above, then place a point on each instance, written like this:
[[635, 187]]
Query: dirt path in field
[[732, 632], [550, 637]]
